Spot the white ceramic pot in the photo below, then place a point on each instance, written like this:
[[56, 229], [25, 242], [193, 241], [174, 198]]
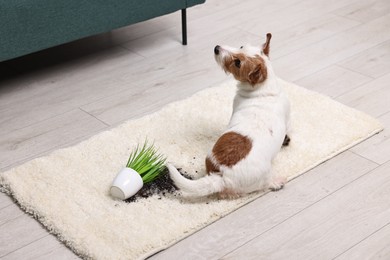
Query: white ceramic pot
[[126, 184]]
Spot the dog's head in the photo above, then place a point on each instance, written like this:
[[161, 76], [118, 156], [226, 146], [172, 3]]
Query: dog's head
[[247, 64]]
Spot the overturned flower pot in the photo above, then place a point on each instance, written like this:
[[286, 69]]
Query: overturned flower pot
[[126, 184], [144, 166]]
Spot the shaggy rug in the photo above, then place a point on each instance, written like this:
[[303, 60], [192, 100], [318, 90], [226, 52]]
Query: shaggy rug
[[68, 191]]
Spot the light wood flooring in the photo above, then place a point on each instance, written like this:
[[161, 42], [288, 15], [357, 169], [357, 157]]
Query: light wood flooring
[[341, 48]]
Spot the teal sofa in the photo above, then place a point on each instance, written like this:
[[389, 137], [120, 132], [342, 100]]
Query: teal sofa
[[27, 26]]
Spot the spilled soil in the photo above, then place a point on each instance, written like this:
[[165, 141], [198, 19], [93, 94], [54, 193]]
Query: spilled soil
[[161, 186]]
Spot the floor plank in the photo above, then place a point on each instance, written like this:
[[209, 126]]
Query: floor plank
[[372, 97], [297, 37], [364, 11], [56, 90], [28, 142], [376, 246], [374, 62], [321, 229], [377, 148], [19, 232], [5, 200], [9, 213], [46, 248], [333, 49], [333, 81]]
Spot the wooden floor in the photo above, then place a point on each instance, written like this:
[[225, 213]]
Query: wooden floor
[[339, 210]]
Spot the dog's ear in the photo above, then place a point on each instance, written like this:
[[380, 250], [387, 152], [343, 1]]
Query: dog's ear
[[254, 76], [266, 44], [258, 75]]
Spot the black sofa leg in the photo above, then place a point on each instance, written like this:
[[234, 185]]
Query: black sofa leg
[[184, 26]]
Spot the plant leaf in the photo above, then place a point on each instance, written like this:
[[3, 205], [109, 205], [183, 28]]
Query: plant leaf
[[147, 162]]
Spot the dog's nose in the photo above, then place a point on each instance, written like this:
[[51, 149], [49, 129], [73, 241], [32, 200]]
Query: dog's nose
[[216, 50]]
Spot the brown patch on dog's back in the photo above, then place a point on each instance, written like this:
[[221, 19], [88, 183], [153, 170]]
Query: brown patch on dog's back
[[231, 148]]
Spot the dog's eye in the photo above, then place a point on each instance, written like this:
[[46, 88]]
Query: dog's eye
[[241, 47], [237, 63]]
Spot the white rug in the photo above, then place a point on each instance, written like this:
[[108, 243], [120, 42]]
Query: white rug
[[68, 191]]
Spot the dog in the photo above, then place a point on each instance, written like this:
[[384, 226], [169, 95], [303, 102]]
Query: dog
[[240, 161]]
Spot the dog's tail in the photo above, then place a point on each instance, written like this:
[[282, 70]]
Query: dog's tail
[[204, 186]]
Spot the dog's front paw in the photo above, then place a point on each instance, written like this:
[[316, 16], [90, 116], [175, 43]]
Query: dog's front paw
[[277, 183]]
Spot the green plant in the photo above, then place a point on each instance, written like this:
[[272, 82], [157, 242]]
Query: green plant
[[147, 162]]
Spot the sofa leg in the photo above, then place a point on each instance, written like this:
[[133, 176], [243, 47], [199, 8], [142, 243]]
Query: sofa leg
[[184, 26]]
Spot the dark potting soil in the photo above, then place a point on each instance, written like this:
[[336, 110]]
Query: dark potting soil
[[161, 186]]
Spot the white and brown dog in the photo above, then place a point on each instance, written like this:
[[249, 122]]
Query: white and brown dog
[[240, 161]]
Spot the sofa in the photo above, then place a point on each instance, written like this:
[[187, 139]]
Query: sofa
[[27, 26]]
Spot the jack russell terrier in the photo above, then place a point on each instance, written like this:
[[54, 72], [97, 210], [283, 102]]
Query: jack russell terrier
[[240, 161]]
